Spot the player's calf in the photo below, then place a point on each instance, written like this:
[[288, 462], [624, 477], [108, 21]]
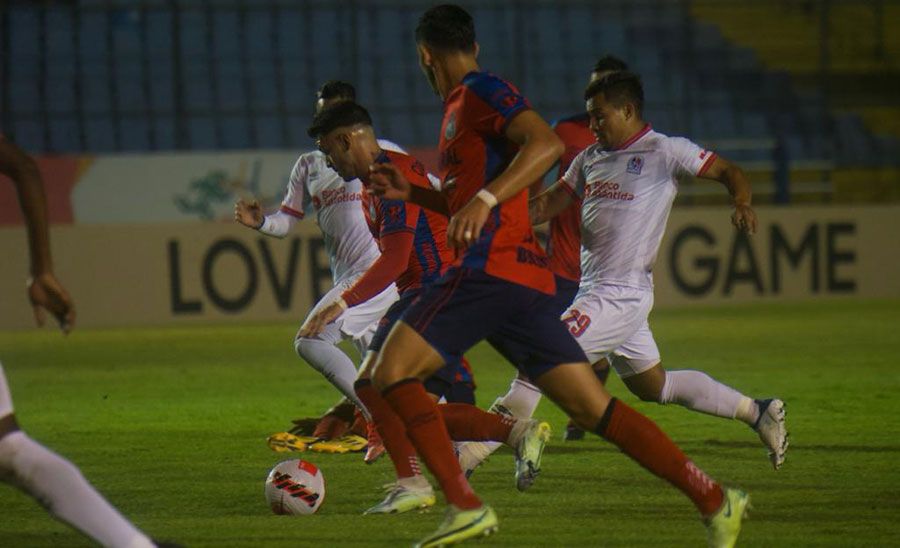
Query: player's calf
[[59, 486]]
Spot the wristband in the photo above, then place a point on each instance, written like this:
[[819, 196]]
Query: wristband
[[488, 198], [342, 303]]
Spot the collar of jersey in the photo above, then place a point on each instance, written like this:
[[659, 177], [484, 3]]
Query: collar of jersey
[[462, 83], [633, 139], [383, 158]]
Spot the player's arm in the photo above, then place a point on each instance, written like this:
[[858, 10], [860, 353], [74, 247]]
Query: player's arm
[[280, 222], [388, 182], [539, 148], [550, 203], [276, 224], [22, 170], [396, 247], [738, 185], [44, 290]]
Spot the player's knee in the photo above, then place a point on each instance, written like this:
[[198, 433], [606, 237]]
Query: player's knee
[[306, 348], [648, 385], [384, 375], [25, 460]]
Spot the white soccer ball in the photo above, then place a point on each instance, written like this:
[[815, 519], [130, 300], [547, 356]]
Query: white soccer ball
[[295, 487]]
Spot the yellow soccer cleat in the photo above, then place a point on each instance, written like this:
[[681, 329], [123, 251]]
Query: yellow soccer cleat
[[285, 442], [460, 525], [723, 527], [345, 444], [528, 453], [404, 498]]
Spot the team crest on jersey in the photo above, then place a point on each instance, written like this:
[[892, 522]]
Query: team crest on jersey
[[450, 128], [635, 165]]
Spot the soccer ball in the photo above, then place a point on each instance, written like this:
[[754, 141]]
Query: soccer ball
[[295, 487]]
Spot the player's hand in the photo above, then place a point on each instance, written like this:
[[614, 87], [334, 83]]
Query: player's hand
[[248, 214], [744, 219], [317, 322], [48, 295], [465, 227], [386, 181]]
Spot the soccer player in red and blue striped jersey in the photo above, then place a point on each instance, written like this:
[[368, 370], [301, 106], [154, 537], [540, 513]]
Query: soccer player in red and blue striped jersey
[[492, 147], [414, 254]]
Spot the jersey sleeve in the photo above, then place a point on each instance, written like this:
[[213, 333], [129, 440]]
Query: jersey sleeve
[[397, 216], [502, 101], [686, 157], [297, 198], [574, 180], [394, 147]]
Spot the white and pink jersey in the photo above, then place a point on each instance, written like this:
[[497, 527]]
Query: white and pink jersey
[[627, 194], [338, 207]]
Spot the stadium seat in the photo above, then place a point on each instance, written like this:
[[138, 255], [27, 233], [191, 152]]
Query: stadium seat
[[201, 133], [100, 133], [235, 132], [135, 133]]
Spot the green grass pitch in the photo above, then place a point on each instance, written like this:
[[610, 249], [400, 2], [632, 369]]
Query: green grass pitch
[[170, 424]]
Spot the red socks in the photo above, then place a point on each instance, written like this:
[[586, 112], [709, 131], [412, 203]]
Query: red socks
[[391, 429], [466, 422], [428, 433], [640, 438]]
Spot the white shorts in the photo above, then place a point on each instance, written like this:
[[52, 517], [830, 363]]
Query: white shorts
[[6, 405], [611, 321], [359, 322]]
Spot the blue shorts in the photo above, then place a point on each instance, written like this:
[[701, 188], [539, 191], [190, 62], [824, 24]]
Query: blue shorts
[[467, 305], [453, 381], [566, 290]]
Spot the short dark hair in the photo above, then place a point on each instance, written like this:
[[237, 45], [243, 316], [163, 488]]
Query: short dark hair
[[447, 27], [618, 88], [343, 114], [609, 63], [336, 88]]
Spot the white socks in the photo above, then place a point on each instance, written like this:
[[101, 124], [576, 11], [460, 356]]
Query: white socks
[[698, 391], [521, 400], [329, 360], [59, 486], [6, 403]]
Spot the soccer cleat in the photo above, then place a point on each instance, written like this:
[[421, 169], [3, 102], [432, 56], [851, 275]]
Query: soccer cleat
[[772, 430], [528, 453], [375, 447], [723, 527], [573, 432], [285, 442], [344, 444], [403, 499], [460, 525]]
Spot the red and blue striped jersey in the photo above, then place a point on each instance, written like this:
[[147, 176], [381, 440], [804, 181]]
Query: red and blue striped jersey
[[564, 243], [430, 255], [474, 150]]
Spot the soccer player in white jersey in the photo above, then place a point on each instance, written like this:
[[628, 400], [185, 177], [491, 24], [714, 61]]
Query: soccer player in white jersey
[[352, 250], [51, 479], [627, 182]]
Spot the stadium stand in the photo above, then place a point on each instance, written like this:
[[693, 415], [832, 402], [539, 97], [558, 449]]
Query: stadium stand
[[239, 74]]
